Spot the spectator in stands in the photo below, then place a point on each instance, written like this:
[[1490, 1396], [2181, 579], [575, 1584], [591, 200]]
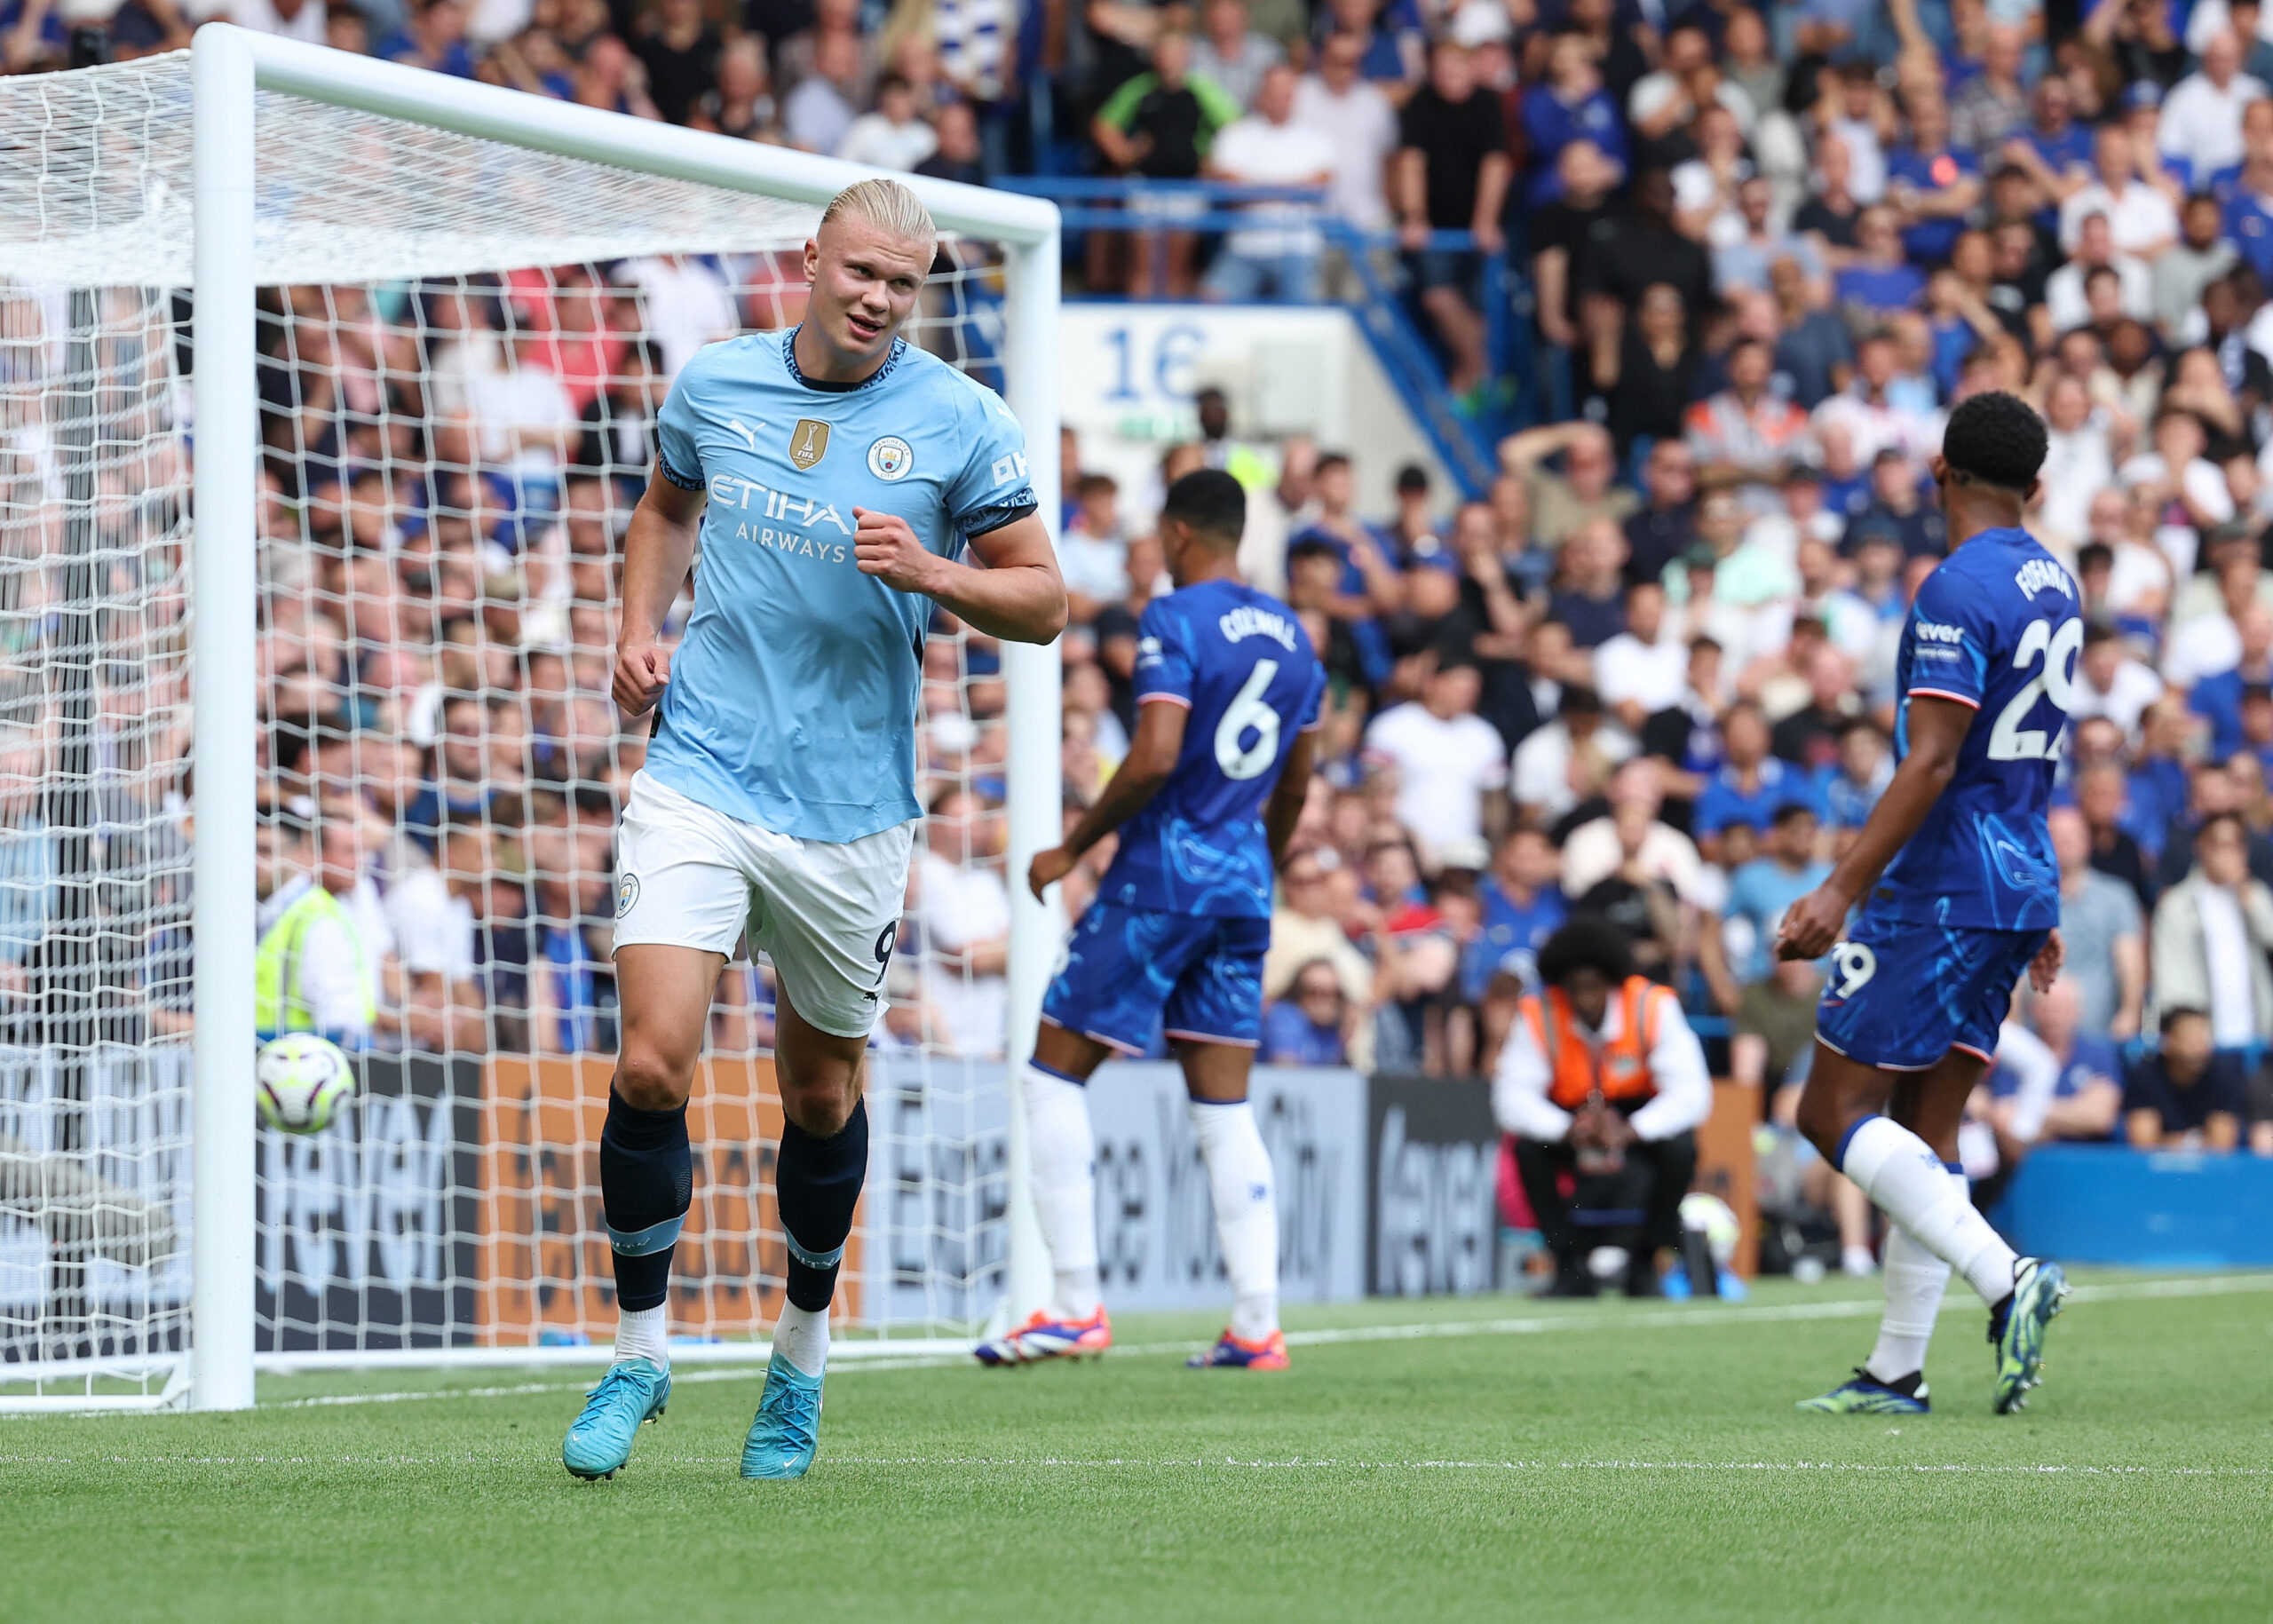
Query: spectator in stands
[[1745, 435], [1232, 55], [1448, 760], [1158, 126], [1585, 489], [1561, 233], [965, 913], [312, 968], [2186, 1095], [2087, 1103], [2100, 924], [2141, 221], [1601, 1079], [680, 53], [1358, 121], [1750, 785], [1589, 595], [2212, 933], [1568, 759], [892, 137], [2200, 125], [1311, 1025], [1992, 105], [1570, 104], [1269, 149], [1452, 175]]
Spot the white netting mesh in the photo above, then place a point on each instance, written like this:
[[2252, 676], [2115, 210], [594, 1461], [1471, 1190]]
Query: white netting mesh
[[459, 362]]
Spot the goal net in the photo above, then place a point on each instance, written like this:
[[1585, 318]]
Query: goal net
[[461, 339]]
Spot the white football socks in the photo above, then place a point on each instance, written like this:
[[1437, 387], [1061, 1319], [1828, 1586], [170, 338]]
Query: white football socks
[[1915, 1280], [643, 1333], [801, 1336], [1063, 1152], [1900, 1172], [1247, 1212]]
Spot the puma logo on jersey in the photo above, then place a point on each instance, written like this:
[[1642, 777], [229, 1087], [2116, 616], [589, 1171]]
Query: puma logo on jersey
[[748, 434], [1928, 631], [2043, 576]]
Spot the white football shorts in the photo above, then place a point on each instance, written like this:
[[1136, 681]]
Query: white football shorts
[[826, 913]]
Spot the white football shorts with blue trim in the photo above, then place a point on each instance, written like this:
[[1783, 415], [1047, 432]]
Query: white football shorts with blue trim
[[828, 915]]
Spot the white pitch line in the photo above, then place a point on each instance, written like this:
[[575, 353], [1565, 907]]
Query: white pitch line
[[1855, 1308], [1330, 1464]]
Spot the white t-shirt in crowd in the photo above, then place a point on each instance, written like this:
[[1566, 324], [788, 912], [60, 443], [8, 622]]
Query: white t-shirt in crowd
[[688, 306], [2202, 123], [1542, 766], [2206, 644], [1255, 152], [2126, 699], [2079, 464], [522, 397], [1360, 125], [875, 140], [2065, 304], [962, 906], [1654, 675], [433, 930], [2140, 219], [1443, 769]]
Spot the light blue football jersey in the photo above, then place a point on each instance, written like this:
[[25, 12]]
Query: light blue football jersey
[[1995, 627], [793, 698]]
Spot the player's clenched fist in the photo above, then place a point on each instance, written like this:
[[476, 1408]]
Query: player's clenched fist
[[886, 547], [642, 673], [1812, 924]]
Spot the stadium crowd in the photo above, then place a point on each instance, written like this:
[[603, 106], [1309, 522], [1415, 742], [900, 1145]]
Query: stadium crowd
[[1647, 675]]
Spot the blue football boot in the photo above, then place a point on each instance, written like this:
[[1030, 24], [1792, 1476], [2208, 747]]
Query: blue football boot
[[1863, 1394], [600, 1441], [786, 1428], [2018, 1336]]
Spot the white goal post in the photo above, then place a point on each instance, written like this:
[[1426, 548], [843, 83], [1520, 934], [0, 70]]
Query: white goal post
[[240, 249]]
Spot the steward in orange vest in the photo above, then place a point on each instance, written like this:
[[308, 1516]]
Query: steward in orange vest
[[1600, 1080]]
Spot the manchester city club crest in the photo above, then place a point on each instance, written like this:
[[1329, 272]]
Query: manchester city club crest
[[808, 442], [889, 458], [626, 892]]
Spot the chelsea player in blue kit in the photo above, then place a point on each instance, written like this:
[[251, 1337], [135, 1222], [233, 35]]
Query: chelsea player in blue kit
[[1959, 896], [1227, 694], [835, 472]]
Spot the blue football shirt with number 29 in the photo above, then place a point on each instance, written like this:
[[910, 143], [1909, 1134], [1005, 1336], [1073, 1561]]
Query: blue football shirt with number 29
[[1240, 663], [1994, 627]]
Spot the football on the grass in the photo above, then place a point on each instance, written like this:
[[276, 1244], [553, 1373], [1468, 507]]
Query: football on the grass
[[300, 1080]]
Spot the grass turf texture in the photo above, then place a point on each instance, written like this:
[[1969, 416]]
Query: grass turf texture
[[1623, 1463]]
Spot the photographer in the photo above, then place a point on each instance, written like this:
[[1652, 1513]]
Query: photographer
[[1602, 1077]]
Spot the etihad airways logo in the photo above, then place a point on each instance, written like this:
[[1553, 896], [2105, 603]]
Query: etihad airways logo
[[730, 494], [729, 491]]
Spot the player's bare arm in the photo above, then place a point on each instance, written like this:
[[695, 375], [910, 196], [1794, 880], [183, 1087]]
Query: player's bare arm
[[1152, 758], [658, 550], [1285, 808], [1937, 730], [1017, 594]]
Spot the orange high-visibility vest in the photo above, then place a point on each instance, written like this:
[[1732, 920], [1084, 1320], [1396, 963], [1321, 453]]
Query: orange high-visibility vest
[[1620, 1066]]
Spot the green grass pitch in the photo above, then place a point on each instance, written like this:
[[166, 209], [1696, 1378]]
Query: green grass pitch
[[1570, 1461]]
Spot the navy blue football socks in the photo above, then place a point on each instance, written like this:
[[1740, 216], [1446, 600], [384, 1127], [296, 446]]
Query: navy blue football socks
[[817, 1184], [647, 1182]]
